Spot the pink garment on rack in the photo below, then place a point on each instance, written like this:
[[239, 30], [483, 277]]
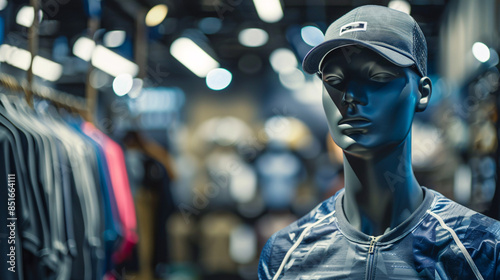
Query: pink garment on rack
[[109, 276], [121, 189]]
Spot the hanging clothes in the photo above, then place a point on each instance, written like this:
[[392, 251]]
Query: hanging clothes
[[120, 184], [64, 174]]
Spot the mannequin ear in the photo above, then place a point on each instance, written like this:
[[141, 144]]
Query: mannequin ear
[[425, 90]]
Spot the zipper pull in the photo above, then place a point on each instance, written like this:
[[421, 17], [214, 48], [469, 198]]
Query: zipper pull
[[372, 243]]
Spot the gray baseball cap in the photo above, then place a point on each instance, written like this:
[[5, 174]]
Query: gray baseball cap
[[392, 34]]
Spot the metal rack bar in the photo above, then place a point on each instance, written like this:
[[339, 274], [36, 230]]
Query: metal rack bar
[[59, 98]]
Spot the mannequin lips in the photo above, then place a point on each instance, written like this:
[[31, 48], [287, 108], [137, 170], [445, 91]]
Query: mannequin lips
[[354, 125], [354, 121]]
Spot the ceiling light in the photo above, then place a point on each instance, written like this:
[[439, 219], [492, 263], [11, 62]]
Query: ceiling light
[[3, 4], [113, 63], [218, 79], [283, 60], [253, 37], [269, 10], [400, 5], [20, 58], [5, 52], [122, 84], [193, 57], [26, 15], [312, 35], [156, 15], [47, 69], [481, 52], [115, 38], [83, 48]]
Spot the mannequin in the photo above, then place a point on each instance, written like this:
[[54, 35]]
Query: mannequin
[[383, 224], [369, 104]]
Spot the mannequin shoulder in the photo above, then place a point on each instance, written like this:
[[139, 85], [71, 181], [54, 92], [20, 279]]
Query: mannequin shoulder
[[475, 235], [466, 222], [280, 242], [320, 215]]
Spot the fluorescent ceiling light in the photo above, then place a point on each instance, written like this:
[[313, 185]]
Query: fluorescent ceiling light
[[481, 52], [269, 10], [312, 35], [47, 69], [253, 37], [83, 48], [5, 52], [20, 58], [122, 84], [3, 4], [113, 63], [218, 79], [115, 38], [103, 58], [193, 57], [26, 16], [156, 15]]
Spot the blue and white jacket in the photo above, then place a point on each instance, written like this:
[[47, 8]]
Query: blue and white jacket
[[440, 240]]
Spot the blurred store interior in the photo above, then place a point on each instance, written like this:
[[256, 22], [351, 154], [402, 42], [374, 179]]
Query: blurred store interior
[[200, 133]]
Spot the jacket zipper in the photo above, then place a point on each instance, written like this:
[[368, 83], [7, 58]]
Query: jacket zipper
[[371, 249]]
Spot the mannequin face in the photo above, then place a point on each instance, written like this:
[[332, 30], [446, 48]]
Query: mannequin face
[[369, 102]]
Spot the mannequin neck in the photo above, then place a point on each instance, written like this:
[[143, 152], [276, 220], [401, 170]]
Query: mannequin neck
[[380, 189]]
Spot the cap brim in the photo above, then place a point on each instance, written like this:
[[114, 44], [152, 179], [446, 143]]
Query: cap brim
[[315, 56]]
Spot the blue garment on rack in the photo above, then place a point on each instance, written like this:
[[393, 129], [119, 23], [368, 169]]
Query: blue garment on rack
[[112, 234]]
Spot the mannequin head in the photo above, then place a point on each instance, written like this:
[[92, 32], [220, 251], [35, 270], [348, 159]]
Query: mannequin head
[[373, 64], [369, 101]]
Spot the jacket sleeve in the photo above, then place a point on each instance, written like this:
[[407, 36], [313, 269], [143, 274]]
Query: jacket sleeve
[[265, 269]]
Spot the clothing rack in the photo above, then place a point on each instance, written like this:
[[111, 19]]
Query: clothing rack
[[58, 98]]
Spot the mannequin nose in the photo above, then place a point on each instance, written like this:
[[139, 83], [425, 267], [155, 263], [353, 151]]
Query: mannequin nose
[[354, 94], [348, 98]]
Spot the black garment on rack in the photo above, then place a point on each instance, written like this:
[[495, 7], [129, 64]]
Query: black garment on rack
[[48, 262], [11, 259], [58, 197], [30, 224], [35, 229]]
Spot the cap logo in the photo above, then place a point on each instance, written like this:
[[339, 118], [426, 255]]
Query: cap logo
[[353, 26]]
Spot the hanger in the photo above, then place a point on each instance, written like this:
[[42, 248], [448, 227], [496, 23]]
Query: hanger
[[59, 99]]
